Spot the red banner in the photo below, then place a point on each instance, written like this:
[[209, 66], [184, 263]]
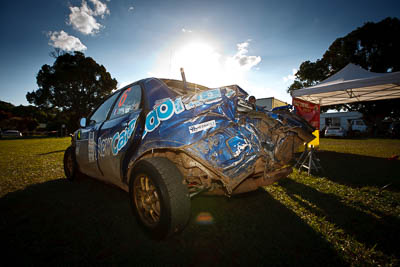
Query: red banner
[[307, 110]]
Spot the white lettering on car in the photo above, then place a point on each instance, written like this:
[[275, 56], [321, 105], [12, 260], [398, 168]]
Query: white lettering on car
[[120, 139], [202, 126]]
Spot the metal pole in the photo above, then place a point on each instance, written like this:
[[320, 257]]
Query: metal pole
[[183, 79]]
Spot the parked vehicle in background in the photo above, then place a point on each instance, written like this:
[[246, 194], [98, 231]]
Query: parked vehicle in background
[[351, 122], [333, 131], [11, 133], [358, 126], [394, 129], [165, 141]]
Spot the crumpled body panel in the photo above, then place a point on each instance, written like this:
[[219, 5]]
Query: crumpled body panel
[[233, 144]]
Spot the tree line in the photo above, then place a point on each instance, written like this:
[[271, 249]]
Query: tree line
[[374, 47]]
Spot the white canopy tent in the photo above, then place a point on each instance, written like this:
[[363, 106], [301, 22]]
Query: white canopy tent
[[352, 84]]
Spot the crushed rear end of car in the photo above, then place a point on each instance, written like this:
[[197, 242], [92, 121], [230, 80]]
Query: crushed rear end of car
[[219, 143]]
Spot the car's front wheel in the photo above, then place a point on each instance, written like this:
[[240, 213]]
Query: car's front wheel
[[158, 197], [70, 166]]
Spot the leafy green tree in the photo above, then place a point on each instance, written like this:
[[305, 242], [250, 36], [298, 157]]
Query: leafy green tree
[[30, 112], [5, 106], [74, 84], [375, 47]]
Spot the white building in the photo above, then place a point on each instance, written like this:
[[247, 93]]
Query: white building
[[342, 119]]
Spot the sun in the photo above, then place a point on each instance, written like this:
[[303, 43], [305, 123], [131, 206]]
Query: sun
[[202, 64], [203, 60]]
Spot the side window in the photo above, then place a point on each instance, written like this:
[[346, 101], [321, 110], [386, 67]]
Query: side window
[[101, 113], [128, 101]]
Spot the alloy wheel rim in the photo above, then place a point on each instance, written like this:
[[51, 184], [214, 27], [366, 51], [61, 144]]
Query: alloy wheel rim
[[147, 200]]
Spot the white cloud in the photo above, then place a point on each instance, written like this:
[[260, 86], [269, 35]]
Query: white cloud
[[83, 18], [100, 9], [65, 42], [186, 30], [290, 77], [131, 8], [242, 59], [206, 65]]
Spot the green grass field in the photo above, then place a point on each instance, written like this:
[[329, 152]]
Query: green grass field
[[347, 215]]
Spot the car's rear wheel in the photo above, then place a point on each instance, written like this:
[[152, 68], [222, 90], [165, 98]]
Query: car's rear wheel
[[70, 166], [159, 198]]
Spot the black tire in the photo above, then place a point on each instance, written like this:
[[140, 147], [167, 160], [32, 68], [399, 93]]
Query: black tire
[[165, 193], [70, 166]]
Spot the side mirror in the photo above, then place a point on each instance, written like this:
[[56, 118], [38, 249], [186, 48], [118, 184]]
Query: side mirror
[[83, 122]]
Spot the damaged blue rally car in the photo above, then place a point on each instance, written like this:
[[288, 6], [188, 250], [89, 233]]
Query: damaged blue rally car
[[165, 141]]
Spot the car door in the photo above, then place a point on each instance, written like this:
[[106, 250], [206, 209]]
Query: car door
[[86, 145], [118, 132]]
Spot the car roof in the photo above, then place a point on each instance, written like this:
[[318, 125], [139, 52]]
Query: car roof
[[159, 88]]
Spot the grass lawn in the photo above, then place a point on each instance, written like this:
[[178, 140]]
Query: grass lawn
[[347, 215]]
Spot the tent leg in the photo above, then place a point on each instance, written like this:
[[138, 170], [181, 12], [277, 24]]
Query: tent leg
[[309, 161]]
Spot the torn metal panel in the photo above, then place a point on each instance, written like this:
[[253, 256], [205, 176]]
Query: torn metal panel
[[208, 126]]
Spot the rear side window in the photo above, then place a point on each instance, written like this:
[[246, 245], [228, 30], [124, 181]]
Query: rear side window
[[129, 101], [101, 113]]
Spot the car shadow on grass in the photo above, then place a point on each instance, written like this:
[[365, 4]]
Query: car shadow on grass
[[87, 222], [358, 171], [382, 232], [51, 152]]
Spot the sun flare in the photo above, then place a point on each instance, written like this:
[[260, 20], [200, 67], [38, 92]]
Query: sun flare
[[203, 65]]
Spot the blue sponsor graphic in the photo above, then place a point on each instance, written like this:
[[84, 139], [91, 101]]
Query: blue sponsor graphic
[[229, 93], [210, 95], [179, 107], [119, 140], [168, 108], [165, 110], [152, 121], [193, 104]]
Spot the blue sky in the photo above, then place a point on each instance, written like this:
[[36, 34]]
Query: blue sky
[[255, 44]]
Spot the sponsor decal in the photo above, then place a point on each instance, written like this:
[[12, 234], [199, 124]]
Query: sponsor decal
[[167, 108], [229, 92], [178, 105], [202, 126], [210, 96], [91, 147], [104, 146], [120, 139], [193, 104]]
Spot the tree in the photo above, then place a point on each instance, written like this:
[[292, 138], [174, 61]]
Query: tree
[[374, 46], [75, 84]]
